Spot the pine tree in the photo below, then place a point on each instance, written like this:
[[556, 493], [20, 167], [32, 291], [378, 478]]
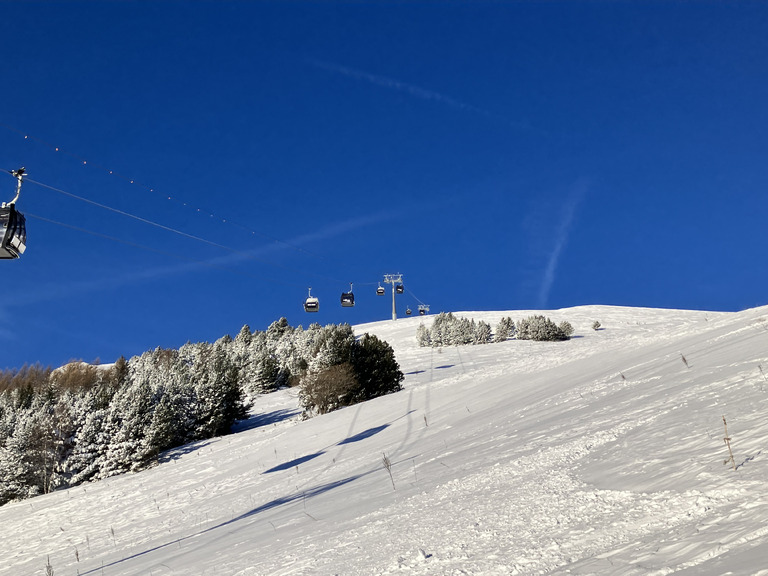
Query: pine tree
[[128, 422], [440, 331], [277, 330], [333, 346], [91, 443], [375, 367], [539, 328], [422, 336], [505, 330], [482, 333], [220, 400]]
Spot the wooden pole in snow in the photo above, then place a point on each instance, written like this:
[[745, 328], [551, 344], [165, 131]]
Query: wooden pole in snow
[[728, 443]]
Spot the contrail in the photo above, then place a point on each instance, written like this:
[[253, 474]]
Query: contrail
[[395, 85], [561, 239], [415, 91]]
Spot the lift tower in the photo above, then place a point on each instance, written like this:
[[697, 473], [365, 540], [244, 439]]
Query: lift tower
[[395, 280]]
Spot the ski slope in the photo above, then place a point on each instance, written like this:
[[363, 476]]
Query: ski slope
[[600, 455]]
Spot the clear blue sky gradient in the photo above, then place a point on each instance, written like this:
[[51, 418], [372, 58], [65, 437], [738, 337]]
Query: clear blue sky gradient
[[500, 155]]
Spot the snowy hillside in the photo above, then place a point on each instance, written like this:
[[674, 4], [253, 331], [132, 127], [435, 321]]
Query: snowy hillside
[[600, 455]]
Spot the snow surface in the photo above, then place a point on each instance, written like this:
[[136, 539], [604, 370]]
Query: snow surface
[[601, 455]]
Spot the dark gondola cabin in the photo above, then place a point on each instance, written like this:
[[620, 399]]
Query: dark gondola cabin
[[13, 227], [13, 233], [399, 289], [347, 299]]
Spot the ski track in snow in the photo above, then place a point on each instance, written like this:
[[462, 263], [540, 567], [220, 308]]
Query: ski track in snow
[[600, 455]]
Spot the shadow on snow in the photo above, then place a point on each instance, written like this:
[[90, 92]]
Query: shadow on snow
[[349, 440], [364, 434], [294, 462], [259, 420], [255, 421], [356, 438], [312, 492], [176, 453]]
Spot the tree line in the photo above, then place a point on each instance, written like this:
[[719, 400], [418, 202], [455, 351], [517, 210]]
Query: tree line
[[450, 330], [79, 423]]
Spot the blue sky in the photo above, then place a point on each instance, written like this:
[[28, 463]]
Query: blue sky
[[196, 166]]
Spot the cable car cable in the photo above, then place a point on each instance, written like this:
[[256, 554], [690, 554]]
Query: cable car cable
[[133, 181], [415, 297], [161, 252], [129, 215], [170, 229], [198, 210], [243, 253], [84, 162]]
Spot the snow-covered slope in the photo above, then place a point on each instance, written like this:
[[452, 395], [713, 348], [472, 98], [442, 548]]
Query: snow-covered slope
[[600, 455]]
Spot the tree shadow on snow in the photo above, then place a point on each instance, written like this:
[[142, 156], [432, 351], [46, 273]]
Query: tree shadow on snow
[[176, 453], [259, 420], [295, 462], [349, 440], [256, 421], [364, 434], [312, 492]]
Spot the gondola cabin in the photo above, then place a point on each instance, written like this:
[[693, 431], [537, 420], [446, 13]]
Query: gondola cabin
[[422, 312], [13, 227], [311, 304], [399, 289], [408, 311], [347, 299], [380, 290], [13, 233]]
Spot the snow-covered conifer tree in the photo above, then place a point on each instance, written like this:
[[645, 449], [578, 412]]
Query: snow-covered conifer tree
[[482, 333], [539, 328], [422, 336], [505, 330]]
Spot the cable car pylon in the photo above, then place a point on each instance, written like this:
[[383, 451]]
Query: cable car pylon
[[397, 287]]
